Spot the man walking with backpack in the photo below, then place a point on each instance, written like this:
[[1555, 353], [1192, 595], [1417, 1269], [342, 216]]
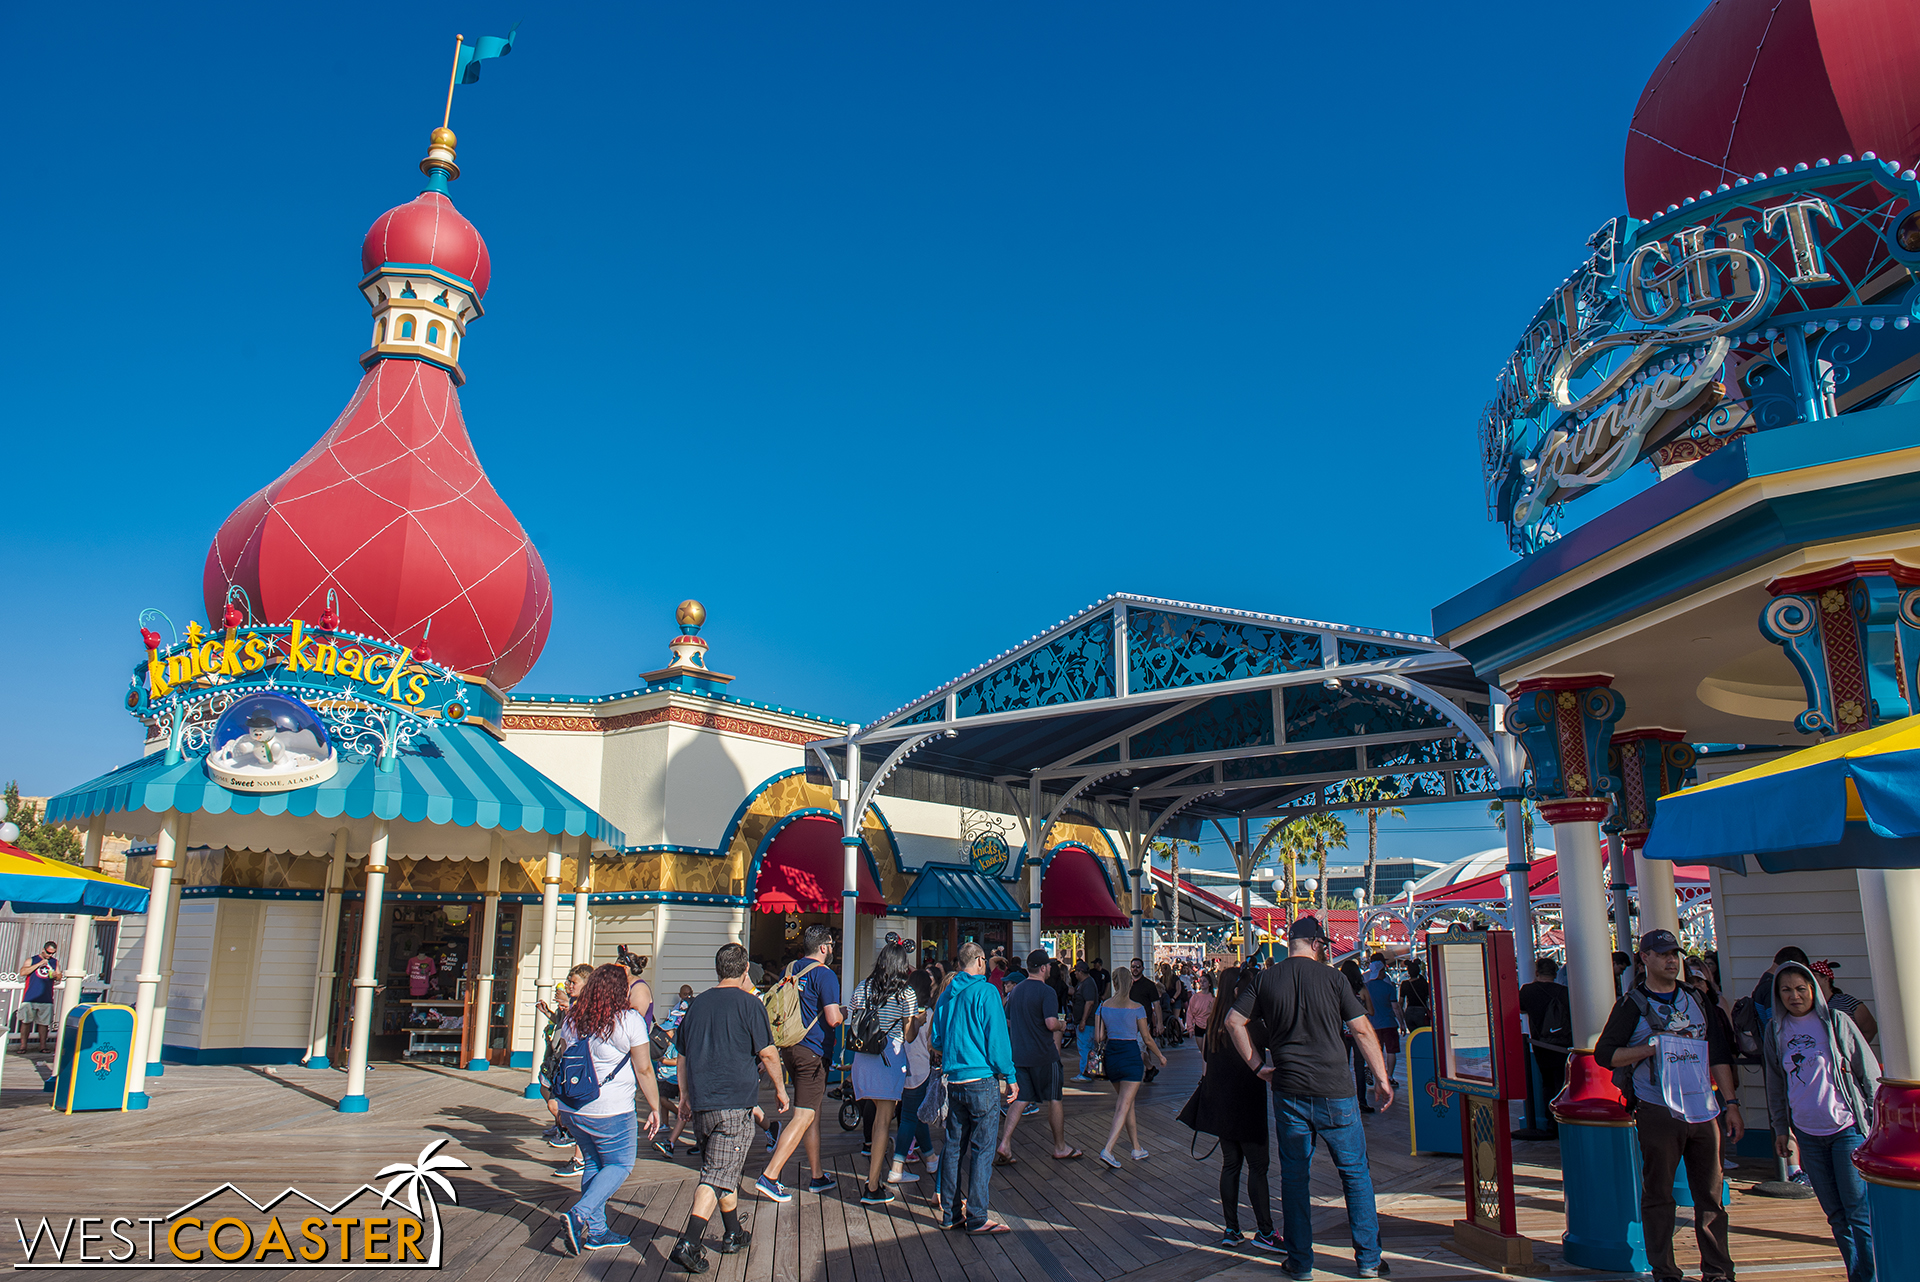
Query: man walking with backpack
[[1548, 1007], [801, 1006], [1669, 1057], [723, 1042]]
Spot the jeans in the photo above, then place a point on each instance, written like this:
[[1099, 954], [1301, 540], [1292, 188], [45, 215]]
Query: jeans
[[1086, 1045], [608, 1147], [1299, 1119], [973, 1132], [1828, 1162], [1233, 1155], [911, 1127], [1665, 1143]]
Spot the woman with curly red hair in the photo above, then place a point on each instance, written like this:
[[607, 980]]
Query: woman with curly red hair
[[606, 1128]]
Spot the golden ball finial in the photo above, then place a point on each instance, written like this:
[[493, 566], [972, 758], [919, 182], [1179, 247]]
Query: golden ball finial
[[690, 614], [443, 137]]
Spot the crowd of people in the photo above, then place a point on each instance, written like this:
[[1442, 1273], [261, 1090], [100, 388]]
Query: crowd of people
[[959, 1056]]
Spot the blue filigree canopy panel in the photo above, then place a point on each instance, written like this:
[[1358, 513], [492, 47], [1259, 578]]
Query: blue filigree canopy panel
[[1775, 299], [1207, 712]]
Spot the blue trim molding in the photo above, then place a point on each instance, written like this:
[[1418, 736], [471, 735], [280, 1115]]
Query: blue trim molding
[[172, 1054], [249, 892]]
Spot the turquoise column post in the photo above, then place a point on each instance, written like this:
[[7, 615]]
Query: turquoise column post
[[1565, 724]]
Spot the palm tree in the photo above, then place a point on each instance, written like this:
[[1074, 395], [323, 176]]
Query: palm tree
[[1498, 809], [423, 1175], [1290, 839], [1371, 790], [1329, 833]]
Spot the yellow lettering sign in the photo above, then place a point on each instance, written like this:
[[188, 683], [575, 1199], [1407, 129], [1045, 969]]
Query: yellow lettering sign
[[256, 652], [406, 1241], [350, 660], [344, 1224], [296, 661], [325, 655], [374, 1233], [246, 1239], [318, 1251], [173, 1239], [417, 688], [275, 1240], [230, 653]]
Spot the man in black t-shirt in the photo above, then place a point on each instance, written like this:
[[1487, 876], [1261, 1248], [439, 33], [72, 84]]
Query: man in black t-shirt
[[724, 1042], [1086, 1000], [1146, 992], [1306, 1005], [1033, 1030], [1102, 975]]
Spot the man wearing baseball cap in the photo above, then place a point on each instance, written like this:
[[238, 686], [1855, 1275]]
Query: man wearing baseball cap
[[1674, 1065], [1305, 1005]]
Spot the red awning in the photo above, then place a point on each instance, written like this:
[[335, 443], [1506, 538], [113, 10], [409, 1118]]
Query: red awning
[[802, 872], [1543, 882], [1074, 893]]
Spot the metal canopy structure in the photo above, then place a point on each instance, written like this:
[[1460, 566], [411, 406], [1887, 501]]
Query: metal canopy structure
[[1151, 717]]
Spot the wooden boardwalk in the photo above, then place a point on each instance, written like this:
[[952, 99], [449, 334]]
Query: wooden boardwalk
[[1155, 1221]]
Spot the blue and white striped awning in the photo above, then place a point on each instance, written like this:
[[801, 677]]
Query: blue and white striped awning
[[950, 890], [449, 789]]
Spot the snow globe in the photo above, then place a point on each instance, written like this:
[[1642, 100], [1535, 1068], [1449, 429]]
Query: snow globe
[[270, 742]]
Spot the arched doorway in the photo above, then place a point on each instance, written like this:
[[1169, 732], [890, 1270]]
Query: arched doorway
[[798, 881]]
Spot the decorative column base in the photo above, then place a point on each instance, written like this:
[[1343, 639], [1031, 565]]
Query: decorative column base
[[532, 1091], [156, 1069], [137, 1100], [1597, 1139], [478, 1066], [318, 1061], [1890, 1163], [353, 1104]]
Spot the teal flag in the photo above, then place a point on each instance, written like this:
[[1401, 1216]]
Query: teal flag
[[471, 56]]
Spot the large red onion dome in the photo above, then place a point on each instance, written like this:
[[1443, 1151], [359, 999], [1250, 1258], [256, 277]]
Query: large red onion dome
[[390, 510], [428, 231], [1757, 84]]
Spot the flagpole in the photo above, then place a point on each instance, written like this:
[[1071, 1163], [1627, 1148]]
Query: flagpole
[[446, 121]]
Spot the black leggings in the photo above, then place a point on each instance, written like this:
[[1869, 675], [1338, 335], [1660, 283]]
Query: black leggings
[[1234, 1154]]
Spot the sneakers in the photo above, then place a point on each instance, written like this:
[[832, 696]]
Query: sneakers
[[1231, 1240], [913, 1151], [693, 1150], [1379, 1270], [866, 1150], [569, 1234], [825, 1184], [734, 1243], [772, 1188], [902, 1177], [1270, 1242], [556, 1135], [602, 1241], [663, 1148], [877, 1197], [1029, 1110], [1080, 1077], [1141, 1155], [688, 1256], [1798, 1176], [773, 1135], [576, 1167]]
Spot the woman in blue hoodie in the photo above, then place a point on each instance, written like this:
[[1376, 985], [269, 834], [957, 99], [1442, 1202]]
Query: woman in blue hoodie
[[976, 1058]]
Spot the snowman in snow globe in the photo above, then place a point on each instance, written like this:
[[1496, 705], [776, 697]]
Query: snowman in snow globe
[[270, 742]]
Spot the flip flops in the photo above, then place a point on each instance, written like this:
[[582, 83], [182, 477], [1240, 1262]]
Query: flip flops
[[990, 1227], [1074, 1156], [1002, 1159]]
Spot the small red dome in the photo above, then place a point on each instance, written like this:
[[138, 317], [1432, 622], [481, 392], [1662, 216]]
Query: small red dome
[[1757, 84], [429, 230]]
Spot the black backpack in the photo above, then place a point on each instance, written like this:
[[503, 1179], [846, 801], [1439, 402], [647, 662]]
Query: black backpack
[[1747, 1028], [1556, 1022]]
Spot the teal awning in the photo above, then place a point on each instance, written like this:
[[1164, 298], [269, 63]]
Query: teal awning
[[955, 890], [448, 789]]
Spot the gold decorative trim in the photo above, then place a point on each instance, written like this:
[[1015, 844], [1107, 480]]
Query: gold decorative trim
[[549, 881], [489, 894], [163, 863], [376, 868], [1884, 1182], [591, 724]]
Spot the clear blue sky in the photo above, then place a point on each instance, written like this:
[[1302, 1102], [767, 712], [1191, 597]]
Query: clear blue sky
[[893, 333]]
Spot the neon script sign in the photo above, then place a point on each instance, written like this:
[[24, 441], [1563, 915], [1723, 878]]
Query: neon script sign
[[1695, 326]]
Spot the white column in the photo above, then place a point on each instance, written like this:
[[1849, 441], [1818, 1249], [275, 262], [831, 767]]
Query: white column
[[147, 978], [483, 964], [80, 947], [1519, 888], [324, 974], [850, 809], [1583, 911], [366, 974], [582, 884], [1617, 892], [543, 983], [1139, 923], [164, 995], [1890, 903], [1659, 906]]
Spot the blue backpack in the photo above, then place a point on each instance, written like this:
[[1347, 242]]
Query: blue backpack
[[571, 1079]]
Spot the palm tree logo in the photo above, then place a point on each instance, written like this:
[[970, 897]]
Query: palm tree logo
[[423, 1175]]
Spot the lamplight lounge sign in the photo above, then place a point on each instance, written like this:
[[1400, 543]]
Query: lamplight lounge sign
[[1645, 339]]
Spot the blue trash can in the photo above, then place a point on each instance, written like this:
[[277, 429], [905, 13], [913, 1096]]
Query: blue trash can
[[94, 1058]]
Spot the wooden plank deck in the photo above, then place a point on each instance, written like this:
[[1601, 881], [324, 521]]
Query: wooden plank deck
[[1078, 1221]]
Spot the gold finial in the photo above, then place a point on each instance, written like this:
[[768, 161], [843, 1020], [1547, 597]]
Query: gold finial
[[440, 154], [690, 614]]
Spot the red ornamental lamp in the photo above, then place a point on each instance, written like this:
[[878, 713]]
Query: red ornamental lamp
[[234, 616], [390, 512], [149, 638]]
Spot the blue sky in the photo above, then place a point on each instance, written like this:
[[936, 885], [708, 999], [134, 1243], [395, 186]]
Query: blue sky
[[893, 334]]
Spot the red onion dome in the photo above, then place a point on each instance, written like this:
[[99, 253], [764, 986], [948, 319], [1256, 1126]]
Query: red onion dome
[[392, 511], [428, 231], [1757, 84]]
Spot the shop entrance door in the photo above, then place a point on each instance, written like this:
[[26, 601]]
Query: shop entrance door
[[497, 1020]]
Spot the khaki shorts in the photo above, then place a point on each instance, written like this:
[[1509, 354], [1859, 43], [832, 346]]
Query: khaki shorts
[[35, 1013], [807, 1073]]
